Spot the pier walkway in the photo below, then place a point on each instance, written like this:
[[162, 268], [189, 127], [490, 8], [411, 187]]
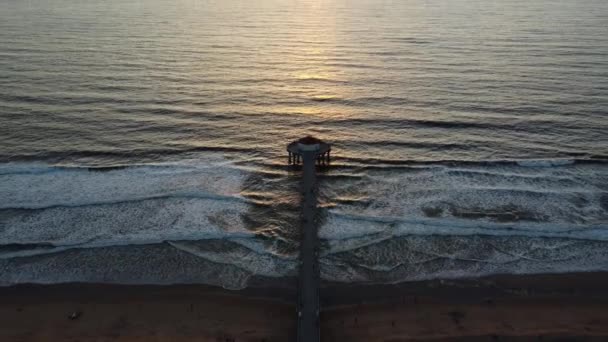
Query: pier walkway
[[308, 298], [311, 151]]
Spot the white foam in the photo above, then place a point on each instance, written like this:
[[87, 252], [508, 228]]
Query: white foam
[[348, 232], [33, 186], [413, 258], [448, 214], [136, 205], [141, 264], [151, 221], [199, 200], [573, 196], [257, 263], [545, 162]]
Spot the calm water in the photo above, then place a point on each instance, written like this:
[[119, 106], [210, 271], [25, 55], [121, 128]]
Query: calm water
[[143, 141]]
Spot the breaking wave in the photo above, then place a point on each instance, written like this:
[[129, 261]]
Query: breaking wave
[[374, 163], [386, 224], [68, 207], [466, 220]]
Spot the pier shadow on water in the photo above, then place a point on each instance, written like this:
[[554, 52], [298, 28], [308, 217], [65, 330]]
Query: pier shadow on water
[[275, 211]]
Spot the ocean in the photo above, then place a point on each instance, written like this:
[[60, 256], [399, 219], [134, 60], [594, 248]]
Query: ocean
[[143, 141]]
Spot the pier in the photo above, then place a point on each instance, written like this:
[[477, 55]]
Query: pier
[[320, 151], [310, 152]]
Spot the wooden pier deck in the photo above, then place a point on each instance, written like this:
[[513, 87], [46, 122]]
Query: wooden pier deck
[[308, 297], [310, 152]]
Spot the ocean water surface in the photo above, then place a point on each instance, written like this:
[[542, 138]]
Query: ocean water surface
[[144, 141]]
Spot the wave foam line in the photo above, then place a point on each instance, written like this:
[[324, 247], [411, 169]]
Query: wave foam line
[[372, 230], [34, 186], [531, 163], [252, 260], [43, 247], [182, 195]]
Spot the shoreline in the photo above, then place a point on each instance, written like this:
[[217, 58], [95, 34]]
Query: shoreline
[[500, 286], [508, 307]]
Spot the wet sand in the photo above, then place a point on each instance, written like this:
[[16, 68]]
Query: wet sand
[[571, 307]]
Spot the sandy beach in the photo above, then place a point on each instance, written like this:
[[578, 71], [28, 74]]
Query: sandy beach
[[140, 313], [564, 307], [511, 308]]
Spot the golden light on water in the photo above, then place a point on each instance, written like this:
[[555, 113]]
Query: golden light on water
[[315, 83], [313, 76]]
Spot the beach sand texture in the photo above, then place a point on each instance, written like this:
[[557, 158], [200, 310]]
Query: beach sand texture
[[568, 307]]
